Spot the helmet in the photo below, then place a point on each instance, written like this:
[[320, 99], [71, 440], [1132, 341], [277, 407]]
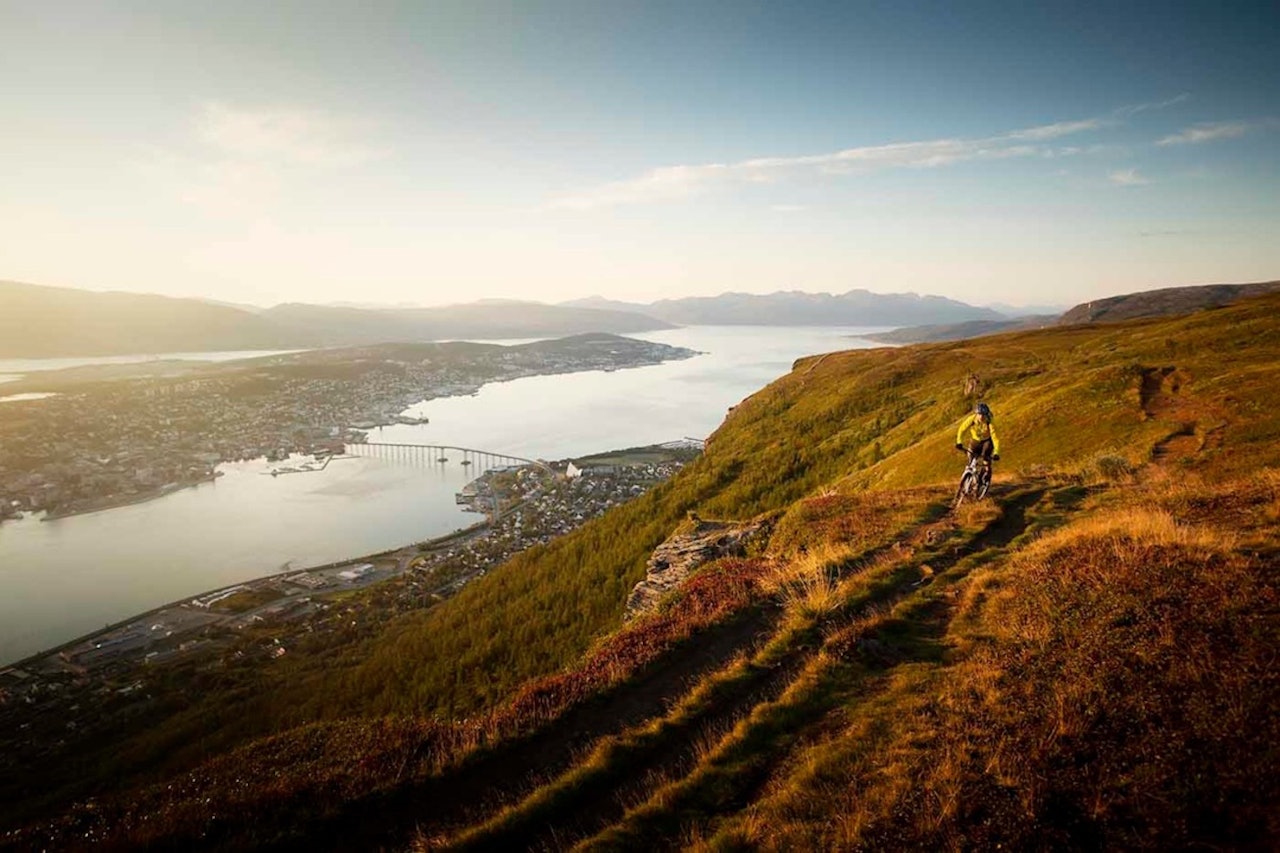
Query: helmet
[[984, 410]]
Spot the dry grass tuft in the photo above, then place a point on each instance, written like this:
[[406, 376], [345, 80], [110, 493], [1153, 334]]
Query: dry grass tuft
[[1113, 468], [865, 520], [1137, 527], [808, 585], [1248, 506]]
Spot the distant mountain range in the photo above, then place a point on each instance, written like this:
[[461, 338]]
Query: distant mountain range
[[48, 322], [795, 308], [1165, 302], [491, 319]]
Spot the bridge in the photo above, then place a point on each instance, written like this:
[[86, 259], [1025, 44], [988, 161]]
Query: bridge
[[440, 454]]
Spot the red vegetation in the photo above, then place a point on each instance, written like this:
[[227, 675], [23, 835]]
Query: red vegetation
[[710, 596]]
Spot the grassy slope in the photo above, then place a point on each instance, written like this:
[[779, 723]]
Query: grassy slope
[[857, 663]]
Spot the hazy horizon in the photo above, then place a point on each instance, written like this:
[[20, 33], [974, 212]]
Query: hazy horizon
[[406, 305], [441, 153]]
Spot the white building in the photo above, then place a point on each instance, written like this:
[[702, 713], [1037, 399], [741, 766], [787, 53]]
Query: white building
[[356, 572]]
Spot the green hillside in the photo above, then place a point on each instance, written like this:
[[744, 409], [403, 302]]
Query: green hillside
[[1086, 659]]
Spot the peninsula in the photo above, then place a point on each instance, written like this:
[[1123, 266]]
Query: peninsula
[[120, 434]]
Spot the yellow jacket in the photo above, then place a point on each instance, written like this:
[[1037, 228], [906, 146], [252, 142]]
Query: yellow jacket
[[978, 431]]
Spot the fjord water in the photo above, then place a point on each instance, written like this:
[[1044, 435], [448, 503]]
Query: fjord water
[[64, 578]]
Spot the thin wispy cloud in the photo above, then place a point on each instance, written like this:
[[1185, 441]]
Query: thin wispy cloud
[[1207, 132], [1057, 130], [1134, 109], [1127, 178], [670, 183], [673, 183]]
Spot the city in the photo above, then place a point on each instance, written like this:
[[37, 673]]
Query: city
[[98, 444], [53, 701]]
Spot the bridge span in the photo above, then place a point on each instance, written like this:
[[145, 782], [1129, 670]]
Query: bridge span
[[440, 454]]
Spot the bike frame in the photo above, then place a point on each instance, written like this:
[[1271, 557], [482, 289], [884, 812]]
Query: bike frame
[[975, 480]]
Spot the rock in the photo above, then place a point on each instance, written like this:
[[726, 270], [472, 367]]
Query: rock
[[682, 553]]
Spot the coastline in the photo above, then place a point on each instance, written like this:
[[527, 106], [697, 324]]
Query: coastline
[[360, 428], [432, 543], [102, 504], [404, 551]]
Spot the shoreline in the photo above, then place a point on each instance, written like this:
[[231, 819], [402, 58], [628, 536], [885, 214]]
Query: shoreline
[[431, 544], [103, 504], [364, 427], [416, 546]]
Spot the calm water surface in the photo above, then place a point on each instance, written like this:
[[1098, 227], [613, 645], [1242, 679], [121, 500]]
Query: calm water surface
[[63, 578]]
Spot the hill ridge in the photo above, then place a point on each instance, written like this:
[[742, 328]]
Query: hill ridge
[[38, 321], [857, 307]]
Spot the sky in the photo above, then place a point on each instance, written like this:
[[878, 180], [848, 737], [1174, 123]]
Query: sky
[[441, 152]]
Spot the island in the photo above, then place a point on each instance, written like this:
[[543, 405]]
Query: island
[[111, 435]]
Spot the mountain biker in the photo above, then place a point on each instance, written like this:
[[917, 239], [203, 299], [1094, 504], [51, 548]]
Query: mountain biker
[[977, 435]]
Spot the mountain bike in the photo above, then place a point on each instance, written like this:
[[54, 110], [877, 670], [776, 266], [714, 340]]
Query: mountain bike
[[974, 482]]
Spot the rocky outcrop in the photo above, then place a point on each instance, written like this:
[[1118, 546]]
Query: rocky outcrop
[[682, 553]]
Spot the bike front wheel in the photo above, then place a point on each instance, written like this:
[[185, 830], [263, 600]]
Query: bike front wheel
[[965, 489]]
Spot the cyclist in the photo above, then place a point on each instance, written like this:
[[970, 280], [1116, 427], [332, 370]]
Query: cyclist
[[977, 435]]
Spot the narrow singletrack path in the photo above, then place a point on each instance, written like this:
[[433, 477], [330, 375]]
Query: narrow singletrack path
[[587, 800]]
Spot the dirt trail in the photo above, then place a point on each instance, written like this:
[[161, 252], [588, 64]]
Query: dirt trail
[[1161, 398], [929, 626], [582, 810], [504, 776], [508, 772]]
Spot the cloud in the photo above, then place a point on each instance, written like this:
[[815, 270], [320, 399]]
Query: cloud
[[1207, 132], [1058, 129], [788, 208], [1127, 178], [670, 183], [1134, 109]]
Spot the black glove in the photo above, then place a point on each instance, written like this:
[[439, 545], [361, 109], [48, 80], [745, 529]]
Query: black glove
[[995, 457], [959, 447]]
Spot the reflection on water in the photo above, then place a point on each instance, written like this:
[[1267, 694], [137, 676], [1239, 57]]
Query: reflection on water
[[64, 578], [552, 417], [18, 398]]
